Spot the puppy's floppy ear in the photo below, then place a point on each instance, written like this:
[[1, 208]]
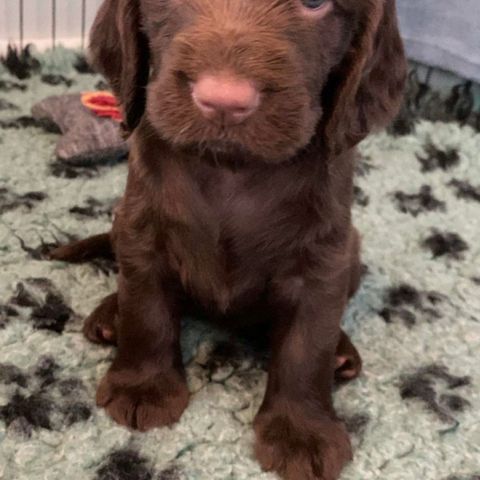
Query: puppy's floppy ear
[[119, 51], [366, 91]]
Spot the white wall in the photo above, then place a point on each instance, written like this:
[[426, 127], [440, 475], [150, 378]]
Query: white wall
[[38, 21]]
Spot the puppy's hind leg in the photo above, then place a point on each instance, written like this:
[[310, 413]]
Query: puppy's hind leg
[[101, 325], [84, 250], [348, 363]]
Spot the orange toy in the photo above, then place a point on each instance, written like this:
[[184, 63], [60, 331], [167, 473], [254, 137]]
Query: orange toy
[[103, 104]]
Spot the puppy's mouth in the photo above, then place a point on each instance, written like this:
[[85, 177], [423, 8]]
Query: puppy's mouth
[[221, 151], [224, 146], [229, 146]]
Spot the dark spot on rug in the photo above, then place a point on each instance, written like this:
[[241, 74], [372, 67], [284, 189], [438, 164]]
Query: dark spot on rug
[[403, 124], [40, 282], [6, 312], [52, 315], [463, 477], [82, 66], [88, 166], [407, 304], [365, 270], [52, 403], [12, 374], [76, 412], [424, 101], [461, 102], [171, 473], [56, 79], [417, 203], [102, 85], [357, 424], [465, 190], [475, 123], [73, 401], [46, 371], [363, 165], [62, 170], [429, 384], [125, 464], [6, 105], [454, 403], [361, 198], [10, 200], [48, 308], [8, 86], [417, 91], [390, 315], [476, 280], [70, 386], [445, 244], [23, 298], [34, 196], [35, 409], [94, 208], [26, 121], [20, 62], [435, 158], [404, 295]]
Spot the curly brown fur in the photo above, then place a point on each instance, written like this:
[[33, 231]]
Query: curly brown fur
[[243, 217]]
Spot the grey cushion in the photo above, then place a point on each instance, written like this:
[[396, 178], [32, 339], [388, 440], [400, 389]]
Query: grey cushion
[[443, 33]]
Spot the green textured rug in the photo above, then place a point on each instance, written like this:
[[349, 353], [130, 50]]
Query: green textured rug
[[415, 411]]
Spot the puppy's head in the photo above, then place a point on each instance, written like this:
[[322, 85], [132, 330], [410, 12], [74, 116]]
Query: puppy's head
[[265, 77]]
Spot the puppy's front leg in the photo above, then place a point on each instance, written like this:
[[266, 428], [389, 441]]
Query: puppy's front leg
[[145, 387], [298, 433]]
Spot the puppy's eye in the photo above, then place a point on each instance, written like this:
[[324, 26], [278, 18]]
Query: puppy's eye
[[313, 4]]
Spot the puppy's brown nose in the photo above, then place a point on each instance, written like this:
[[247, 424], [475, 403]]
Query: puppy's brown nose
[[232, 98]]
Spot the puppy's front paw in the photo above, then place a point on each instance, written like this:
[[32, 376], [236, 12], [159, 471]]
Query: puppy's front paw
[[301, 449], [141, 402]]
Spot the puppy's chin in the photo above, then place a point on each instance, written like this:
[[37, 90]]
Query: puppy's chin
[[226, 148], [234, 153], [244, 145], [229, 155], [237, 153]]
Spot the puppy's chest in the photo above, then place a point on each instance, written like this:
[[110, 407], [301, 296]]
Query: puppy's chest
[[249, 217], [240, 231]]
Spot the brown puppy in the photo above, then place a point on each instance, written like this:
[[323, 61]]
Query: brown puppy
[[243, 117]]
